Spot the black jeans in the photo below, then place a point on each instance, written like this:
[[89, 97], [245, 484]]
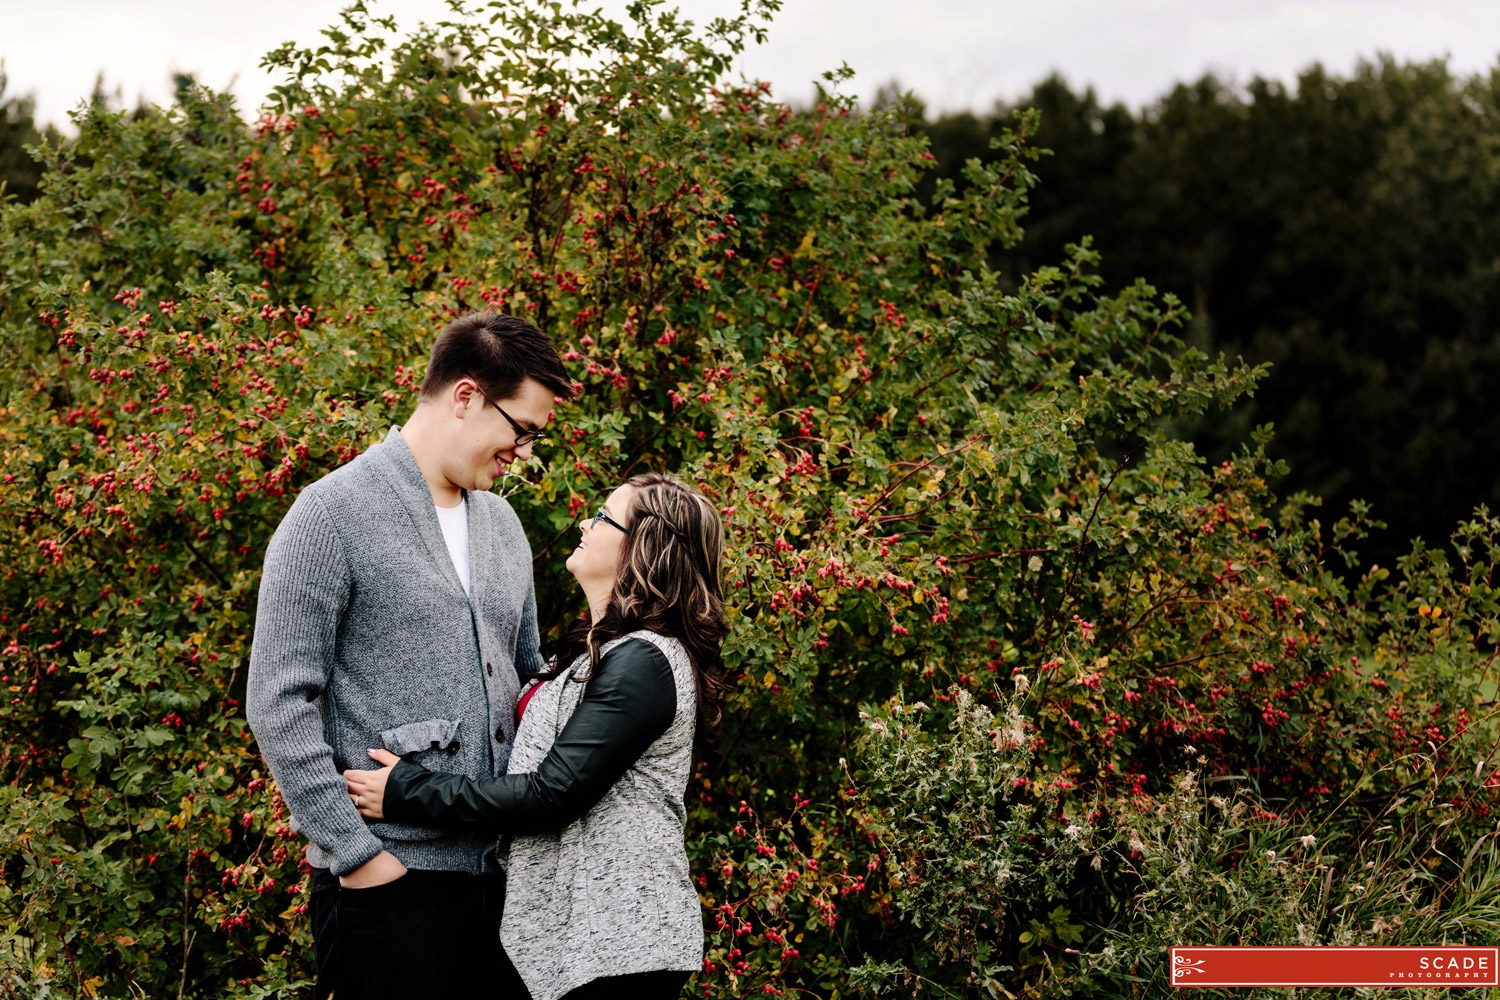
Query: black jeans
[[428, 933], [639, 986]]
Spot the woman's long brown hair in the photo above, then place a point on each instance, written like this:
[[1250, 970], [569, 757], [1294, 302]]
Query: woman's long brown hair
[[669, 582]]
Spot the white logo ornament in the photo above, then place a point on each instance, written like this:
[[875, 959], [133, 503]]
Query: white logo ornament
[[1182, 966]]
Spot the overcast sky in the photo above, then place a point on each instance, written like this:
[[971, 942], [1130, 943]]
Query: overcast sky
[[952, 53]]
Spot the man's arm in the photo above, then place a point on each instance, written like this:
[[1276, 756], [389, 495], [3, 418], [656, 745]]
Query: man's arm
[[625, 708], [527, 656], [304, 589]]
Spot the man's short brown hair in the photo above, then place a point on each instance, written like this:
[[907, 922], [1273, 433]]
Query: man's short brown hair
[[498, 352]]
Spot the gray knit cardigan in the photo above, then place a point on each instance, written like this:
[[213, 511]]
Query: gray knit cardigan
[[611, 894], [364, 637]]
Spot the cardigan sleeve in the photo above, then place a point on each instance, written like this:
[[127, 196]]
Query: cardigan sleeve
[[304, 588], [527, 655], [627, 705]]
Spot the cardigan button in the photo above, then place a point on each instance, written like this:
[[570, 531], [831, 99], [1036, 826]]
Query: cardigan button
[[489, 669], [499, 734], [453, 747]]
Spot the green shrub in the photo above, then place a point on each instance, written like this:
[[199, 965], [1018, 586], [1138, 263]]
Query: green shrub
[[1092, 908]]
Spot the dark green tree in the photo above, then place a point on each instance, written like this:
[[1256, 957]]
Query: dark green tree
[[1339, 229], [19, 173]]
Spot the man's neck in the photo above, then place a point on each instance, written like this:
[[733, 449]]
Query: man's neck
[[419, 433]]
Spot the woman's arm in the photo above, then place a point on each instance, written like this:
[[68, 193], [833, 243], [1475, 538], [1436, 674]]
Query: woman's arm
[[625, 707]]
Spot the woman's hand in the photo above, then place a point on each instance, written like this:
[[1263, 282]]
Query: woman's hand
[[367, 788]]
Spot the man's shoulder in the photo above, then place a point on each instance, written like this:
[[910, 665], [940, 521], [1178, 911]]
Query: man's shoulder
[[350, 480], [351, 492]]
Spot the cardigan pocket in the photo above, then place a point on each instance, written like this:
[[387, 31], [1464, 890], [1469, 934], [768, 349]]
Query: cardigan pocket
[[429, 734]]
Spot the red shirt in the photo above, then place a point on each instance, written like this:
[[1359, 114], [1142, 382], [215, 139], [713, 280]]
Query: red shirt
[[525, 697]]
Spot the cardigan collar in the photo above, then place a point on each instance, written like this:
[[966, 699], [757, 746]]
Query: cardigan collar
[[399, 467]]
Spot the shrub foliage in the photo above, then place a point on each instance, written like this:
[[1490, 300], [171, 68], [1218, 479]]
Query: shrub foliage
[[997, 635]]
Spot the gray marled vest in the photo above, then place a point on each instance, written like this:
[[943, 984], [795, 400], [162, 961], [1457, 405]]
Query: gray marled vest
[[610, 894]]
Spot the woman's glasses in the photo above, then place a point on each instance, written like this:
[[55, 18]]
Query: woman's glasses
[[601, 516]]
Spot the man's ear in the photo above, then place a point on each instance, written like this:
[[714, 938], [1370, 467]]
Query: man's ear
[[461, 396]]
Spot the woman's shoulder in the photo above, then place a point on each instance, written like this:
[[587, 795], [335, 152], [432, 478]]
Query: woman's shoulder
[[645, 645], [650, 661]]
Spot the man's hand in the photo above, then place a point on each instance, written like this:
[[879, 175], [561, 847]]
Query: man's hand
[[379, 870], [367, 788]]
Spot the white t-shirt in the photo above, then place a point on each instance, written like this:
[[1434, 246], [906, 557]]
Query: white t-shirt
[[455, 524]]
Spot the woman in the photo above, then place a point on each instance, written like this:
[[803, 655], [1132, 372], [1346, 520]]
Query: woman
[[599, 901]]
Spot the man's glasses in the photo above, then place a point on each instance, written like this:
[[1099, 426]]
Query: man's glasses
[[523, 436]]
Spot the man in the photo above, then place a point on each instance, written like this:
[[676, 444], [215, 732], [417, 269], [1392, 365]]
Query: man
[[396, 610]]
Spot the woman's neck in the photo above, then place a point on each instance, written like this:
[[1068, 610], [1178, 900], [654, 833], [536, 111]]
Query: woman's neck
[[598, 599]]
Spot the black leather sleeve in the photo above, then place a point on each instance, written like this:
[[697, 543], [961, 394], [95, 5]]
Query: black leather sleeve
[[627, 704]]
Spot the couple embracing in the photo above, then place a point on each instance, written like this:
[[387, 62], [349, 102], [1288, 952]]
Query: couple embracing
[[481, 822]]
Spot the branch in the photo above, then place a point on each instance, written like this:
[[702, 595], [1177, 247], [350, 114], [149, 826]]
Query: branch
[[1062, 600]]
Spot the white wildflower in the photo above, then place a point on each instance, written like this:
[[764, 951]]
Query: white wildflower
[[878, 727], [1015, 726], [1271, 855], [1309, 841], [1189, 749], [1074, 832], [1023, 684], [919, 706]]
